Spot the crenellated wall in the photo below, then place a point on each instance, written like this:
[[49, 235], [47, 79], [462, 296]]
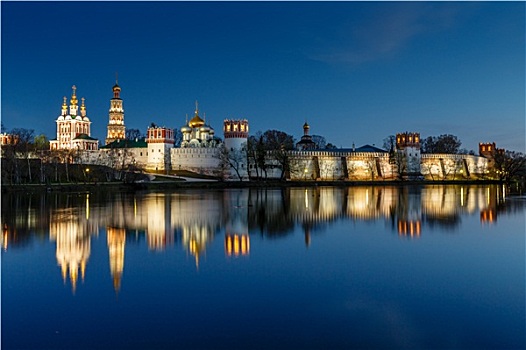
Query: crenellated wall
[[453, 166], [200, 160]]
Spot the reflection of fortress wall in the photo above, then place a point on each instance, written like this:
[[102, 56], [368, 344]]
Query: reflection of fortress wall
[[316, 204], [440, 201], [159, 233], [371, 202], [198, 219]]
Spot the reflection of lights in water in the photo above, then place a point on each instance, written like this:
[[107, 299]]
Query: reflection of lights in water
[[487, 216], [461, 196], [503, 193], [5, 233], [237, 244], [366, 197], [409, 228], [306, 199], [87, 206], [488, 196]]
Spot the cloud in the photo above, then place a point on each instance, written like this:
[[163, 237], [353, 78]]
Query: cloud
[[388, 29]]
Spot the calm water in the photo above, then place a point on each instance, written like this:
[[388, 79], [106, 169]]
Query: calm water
[[322, 268]]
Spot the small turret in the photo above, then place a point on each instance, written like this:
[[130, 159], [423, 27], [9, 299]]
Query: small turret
[[73, 103], [306, 128], [64, 106], [82, 108]]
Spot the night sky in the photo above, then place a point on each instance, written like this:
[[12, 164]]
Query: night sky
[[356, 72]]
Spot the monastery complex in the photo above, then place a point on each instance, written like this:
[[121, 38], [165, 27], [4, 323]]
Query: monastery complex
[[200, 151]]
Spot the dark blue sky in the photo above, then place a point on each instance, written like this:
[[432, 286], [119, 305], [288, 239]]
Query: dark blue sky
[[357, 72]]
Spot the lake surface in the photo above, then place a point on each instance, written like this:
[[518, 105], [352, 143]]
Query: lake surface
[[295, 268]]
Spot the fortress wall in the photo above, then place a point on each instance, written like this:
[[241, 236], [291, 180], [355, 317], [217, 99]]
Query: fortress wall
[[200, 160], [328, 166], [453, 166]]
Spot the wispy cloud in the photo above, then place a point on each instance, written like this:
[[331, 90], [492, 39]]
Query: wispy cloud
[[386, 31]]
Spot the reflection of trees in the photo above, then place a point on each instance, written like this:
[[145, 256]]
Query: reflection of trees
[[268, 212], [446, 222]]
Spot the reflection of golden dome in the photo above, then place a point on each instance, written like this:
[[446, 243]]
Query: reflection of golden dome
[[196, 122]]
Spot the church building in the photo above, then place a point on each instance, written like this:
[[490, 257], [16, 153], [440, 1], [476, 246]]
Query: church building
[[196, 133], [73, 127]]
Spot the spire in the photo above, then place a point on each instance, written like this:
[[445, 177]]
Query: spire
[[196, 121], [116, 87], [74, 100], [306, 128]]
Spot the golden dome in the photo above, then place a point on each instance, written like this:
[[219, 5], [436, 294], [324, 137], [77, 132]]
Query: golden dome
[[196, 122]]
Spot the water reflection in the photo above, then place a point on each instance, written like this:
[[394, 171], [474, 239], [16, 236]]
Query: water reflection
[[193, 219]]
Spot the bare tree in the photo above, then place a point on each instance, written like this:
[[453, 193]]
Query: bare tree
[[22, 147], [320, 141], [234, 159], [278, 144], [134, 134], [448, 144], [390, 143], [510, 165]]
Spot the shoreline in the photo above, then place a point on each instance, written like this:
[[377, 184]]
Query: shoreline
[[170, 185]]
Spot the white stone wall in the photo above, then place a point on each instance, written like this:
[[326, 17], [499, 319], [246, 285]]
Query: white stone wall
[[329, 166], [159, 156], [199, 160], [453, 166]]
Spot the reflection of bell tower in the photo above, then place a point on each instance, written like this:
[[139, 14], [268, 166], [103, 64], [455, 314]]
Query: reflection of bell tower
[[116, 243]]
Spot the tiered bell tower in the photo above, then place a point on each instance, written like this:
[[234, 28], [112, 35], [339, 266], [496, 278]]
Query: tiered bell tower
[[116, 128]]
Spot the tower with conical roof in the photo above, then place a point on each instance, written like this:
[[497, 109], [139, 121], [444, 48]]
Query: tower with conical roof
[[116, 127], [306, 142]]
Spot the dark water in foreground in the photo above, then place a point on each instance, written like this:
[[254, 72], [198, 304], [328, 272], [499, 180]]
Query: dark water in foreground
[[322, 268]]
